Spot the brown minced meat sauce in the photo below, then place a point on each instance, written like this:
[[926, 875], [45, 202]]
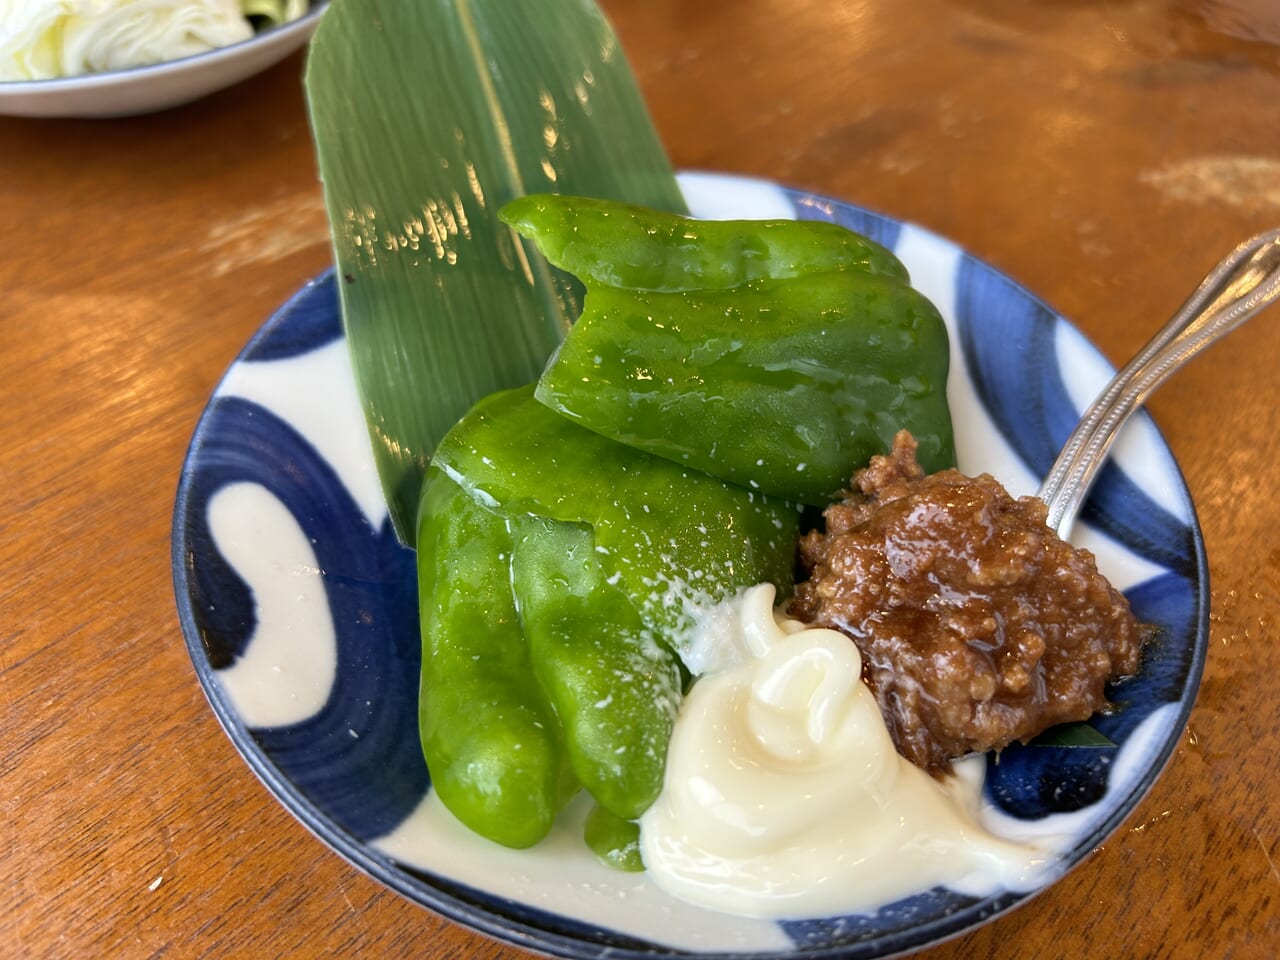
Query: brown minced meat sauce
[[977, 624]]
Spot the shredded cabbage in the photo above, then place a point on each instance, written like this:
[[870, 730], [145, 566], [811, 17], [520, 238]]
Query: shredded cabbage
[[42, 39]]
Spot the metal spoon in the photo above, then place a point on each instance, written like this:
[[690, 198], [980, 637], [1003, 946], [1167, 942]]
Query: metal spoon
[[1241, 285]]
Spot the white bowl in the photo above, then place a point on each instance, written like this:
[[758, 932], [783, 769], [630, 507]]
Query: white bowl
[[123, 93]]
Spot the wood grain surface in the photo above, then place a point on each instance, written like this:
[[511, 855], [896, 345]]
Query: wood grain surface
[[1103, 153]]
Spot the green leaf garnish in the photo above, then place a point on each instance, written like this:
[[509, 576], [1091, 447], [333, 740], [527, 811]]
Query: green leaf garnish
[[429, 115], [1078, 734]]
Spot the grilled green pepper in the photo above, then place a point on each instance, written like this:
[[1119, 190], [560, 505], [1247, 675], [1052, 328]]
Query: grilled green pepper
[[490, 736], [614, 841], [619, 245], [782, 371], [591, 558], [614, 686], [670, 537]]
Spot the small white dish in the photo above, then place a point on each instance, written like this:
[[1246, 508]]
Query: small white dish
[[124, 93]]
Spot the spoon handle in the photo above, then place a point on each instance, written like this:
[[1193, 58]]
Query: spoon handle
[[1237, 288]]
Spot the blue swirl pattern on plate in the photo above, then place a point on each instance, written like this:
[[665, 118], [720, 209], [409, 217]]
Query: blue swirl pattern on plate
[[351, 760], [996, 319], [352, 771]]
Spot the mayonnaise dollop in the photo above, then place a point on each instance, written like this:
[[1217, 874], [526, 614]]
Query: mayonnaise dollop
[[784, 796]]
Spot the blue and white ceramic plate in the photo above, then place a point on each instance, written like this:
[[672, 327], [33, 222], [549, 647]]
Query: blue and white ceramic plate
[[298, 606]]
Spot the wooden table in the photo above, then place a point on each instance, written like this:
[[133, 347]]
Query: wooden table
[[1104, 154]]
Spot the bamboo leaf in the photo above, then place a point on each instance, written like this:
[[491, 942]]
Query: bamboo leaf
[[428, 115], [1072, 735]]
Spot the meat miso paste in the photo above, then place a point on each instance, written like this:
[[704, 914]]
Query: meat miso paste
[[977, 624]]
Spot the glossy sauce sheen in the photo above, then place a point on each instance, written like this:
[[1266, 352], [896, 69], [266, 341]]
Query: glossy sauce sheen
[[978, 626], [785, 797]]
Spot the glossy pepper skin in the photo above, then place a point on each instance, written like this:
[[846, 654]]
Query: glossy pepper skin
[[614, 841], [490, 736], [615, 688], [620, 245], [781, 372], [667, 534], [590, 558]]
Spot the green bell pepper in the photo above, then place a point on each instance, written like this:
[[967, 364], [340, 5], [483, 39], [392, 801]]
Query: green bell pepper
[[490, 736], [590, 559], [782, 371], [620, 245], [615, 688], [671, 537], [614, 841]]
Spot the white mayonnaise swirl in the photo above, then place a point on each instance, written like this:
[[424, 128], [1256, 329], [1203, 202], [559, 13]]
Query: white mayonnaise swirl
[[784, 796]]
